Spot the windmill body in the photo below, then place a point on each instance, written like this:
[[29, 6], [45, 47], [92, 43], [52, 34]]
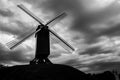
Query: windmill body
[[42, 38], [42, 46], [42, 43]]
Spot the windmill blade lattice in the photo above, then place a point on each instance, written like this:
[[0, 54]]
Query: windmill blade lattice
[[14, 43]]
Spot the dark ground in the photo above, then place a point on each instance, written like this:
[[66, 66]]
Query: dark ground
[[51, 72]]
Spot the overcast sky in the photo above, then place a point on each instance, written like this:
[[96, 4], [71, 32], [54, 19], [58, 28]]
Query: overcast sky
[[91, 27]]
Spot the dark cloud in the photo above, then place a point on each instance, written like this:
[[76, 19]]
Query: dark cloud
[[56, 5], [113, 31], [6, 13], [92, 51], [63, 5], [96, 50]]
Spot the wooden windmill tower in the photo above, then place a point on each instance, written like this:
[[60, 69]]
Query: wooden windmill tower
[[42, 37]]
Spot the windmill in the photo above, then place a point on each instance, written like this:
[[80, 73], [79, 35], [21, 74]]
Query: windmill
[[42, 38]]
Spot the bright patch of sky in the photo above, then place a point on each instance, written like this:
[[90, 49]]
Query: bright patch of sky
[[96, 5]]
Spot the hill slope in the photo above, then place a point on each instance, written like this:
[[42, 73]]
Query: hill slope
[[41, 72]]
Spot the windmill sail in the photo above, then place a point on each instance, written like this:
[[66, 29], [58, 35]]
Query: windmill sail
[[55, 34], [61, 44], [14, 43], [30, 13]]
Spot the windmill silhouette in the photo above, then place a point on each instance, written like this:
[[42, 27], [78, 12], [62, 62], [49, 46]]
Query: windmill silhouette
[[42, 35]]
